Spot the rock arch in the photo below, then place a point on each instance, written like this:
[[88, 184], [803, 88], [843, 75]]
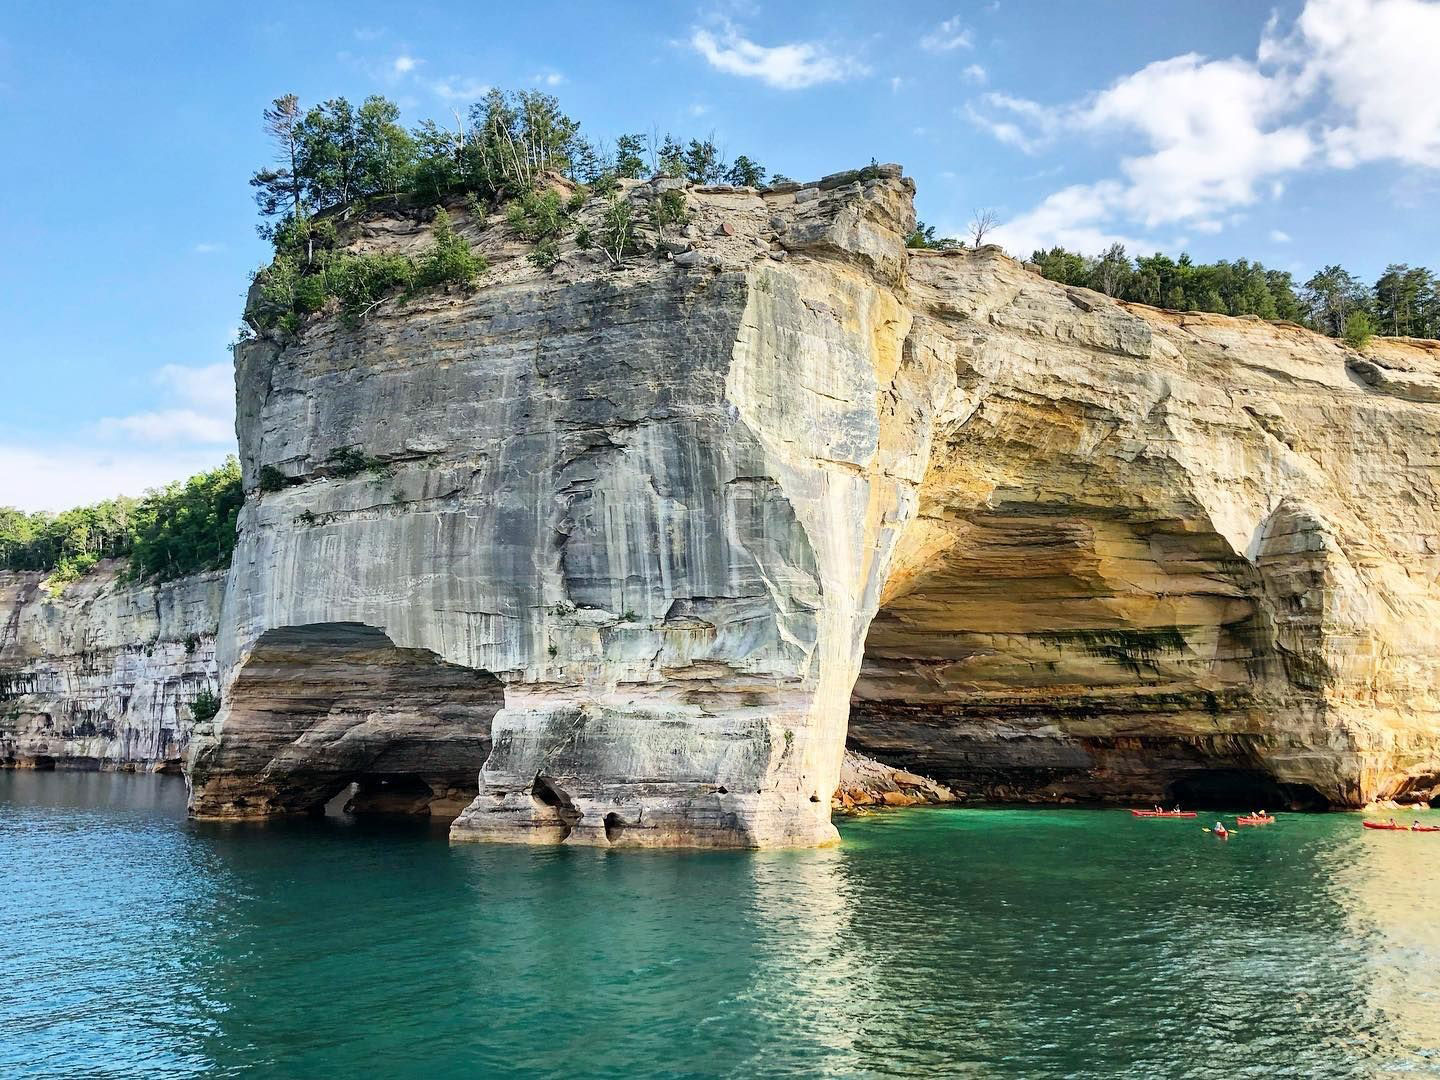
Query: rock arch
[[315, 708]]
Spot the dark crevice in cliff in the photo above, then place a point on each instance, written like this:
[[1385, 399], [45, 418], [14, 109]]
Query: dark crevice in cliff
[[1236, 789]]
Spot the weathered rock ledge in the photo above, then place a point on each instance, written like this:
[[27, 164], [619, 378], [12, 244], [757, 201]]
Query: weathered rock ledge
[[102, 677], [626, 542]]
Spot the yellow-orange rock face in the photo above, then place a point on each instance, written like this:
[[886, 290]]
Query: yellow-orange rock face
[[1160, 555]]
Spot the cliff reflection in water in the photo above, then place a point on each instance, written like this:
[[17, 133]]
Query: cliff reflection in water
[[1387, 883], [971, 942]]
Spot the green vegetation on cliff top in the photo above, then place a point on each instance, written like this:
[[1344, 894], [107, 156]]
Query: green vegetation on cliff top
[[1403, 302], [335, 159]]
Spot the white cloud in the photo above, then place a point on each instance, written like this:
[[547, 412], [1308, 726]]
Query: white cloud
[[1026, 125], [1347, 83], [458, 89], [547, 78], [192, 428], [204, 248], [1278, 236], [202, 409], [896, 82], [786, 67], [1075, 217], [59, 478], [1374, 63], [948, 36], [976, 74], [168, 425], [211, 386], [698, 109], [404, 64]]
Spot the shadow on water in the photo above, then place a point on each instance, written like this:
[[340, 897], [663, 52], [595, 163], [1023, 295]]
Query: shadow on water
[[958, 941]]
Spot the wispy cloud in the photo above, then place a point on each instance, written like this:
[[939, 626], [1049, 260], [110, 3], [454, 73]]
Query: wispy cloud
[[948, 36], [976, 74], [547, 78], [793, 66], [1278, 236], [1346, 83], [456, 89], [207, 248], [200, 409], [58, 478]]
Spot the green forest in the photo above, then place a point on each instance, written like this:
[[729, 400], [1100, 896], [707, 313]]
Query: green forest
[[176, 530]]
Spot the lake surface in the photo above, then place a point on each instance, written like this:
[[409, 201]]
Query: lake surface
[[991, 943]]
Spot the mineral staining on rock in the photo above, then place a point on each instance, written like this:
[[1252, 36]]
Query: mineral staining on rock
[[619, 542], [1162, 555], [103, 675]]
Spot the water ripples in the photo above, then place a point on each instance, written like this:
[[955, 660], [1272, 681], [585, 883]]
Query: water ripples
[[950, 942]]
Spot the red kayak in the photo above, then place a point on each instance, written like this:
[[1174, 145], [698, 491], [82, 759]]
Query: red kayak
[[1164, 813], [1385, 826], [1254, 821]]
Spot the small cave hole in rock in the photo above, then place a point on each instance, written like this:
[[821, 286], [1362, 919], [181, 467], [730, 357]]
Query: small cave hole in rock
[[337, 806], [1242, 789], [614, 826], [545, 791]]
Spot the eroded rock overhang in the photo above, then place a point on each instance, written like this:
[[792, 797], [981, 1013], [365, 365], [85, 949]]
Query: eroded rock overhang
[[1113, 550]]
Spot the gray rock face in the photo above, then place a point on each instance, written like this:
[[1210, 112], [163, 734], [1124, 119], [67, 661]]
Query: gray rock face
[[103, 675], [653, 504], [615, 541]]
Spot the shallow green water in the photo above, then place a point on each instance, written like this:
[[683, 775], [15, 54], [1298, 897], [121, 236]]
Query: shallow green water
[[934, 942]]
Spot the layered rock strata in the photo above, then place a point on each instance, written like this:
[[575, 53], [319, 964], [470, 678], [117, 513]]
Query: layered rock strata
[[102, 675], [632, 527], [1161, 555]]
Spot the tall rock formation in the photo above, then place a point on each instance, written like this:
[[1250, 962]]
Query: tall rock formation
[[619, 542], [102, 676]]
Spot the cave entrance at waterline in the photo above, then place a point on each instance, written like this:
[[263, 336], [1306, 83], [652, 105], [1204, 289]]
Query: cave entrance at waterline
[[1037, 654], [350, 721], [1241, 789]]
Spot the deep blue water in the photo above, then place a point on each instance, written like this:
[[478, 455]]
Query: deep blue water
[[949, 942]]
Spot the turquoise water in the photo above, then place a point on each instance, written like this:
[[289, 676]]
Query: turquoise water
[[992, 943]]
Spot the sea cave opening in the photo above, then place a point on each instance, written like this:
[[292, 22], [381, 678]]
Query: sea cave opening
[[1241, 789], [349, 721]]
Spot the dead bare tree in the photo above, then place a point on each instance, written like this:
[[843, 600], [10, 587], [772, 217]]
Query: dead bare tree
[[981, 223]]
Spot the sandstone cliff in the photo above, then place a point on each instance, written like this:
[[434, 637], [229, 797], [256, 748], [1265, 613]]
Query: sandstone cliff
[[619, 542], [102, 676]]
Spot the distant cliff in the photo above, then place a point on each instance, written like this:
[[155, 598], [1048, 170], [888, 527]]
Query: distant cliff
[[103, 676], [622, 542]]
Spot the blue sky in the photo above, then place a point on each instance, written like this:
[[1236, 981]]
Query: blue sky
[[1303, 134]]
